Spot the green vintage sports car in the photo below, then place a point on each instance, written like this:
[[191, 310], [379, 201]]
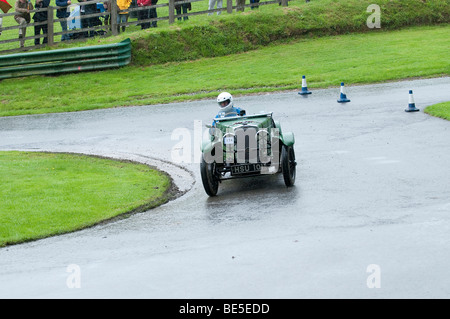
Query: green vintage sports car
[[244, 146]]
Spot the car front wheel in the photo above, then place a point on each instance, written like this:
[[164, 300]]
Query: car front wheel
[[209, 179], [288, 165]]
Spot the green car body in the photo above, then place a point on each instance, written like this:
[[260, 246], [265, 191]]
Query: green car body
[[244, 146]]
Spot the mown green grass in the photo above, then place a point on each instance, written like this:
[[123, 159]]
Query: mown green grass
[[370, 57], [441, 110], [44, 194], [253, 29], [208, 36]]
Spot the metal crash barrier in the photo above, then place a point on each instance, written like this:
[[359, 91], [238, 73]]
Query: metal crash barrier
[[66, 60]]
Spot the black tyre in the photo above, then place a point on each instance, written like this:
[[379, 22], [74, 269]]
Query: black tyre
[[288, 165], [209, 179]]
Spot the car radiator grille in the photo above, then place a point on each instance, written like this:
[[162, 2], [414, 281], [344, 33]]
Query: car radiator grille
[[249, 144]]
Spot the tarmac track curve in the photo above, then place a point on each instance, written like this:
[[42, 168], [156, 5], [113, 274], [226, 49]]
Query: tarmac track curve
[[372, 192]]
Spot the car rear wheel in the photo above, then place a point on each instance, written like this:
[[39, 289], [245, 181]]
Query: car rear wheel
[[288, 165], [209, 179]]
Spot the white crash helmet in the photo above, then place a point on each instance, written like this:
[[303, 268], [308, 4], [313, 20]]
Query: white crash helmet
[[225, 100]]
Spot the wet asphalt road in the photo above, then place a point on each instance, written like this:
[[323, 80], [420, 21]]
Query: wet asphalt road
[[372, 188]]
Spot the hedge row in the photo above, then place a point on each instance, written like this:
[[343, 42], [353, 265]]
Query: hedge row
[[240, 32]]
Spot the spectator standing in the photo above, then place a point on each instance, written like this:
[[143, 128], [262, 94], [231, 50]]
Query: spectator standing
[[63, 13], [122, 17], [211, 6], [144, 14], [23, 7], [184, 6], [240, 5], [153, 14], [134, 14], [87, 9], [107, 17], [5, 8], [38, 17], [255, 4]]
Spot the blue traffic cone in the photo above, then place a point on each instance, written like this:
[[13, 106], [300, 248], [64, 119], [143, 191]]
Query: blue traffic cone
[[304, 90], [343, 96], [411, 105]]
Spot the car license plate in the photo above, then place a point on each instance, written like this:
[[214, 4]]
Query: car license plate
[[246, 168]]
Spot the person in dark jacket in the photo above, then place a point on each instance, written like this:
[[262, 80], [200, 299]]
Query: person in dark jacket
[[240, 5], [87, 9], [63, 13], [184, 6], [255, 4], [154, 14], [41, 16], [144, 14]]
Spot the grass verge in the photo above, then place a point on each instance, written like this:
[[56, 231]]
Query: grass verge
[[45, 194], [253, 29], [354, 58], [441, 110], [208, 36]]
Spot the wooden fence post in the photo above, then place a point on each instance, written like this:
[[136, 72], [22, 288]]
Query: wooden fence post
[[50, 15], [171, 11], [113, 6], [229, 6]]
